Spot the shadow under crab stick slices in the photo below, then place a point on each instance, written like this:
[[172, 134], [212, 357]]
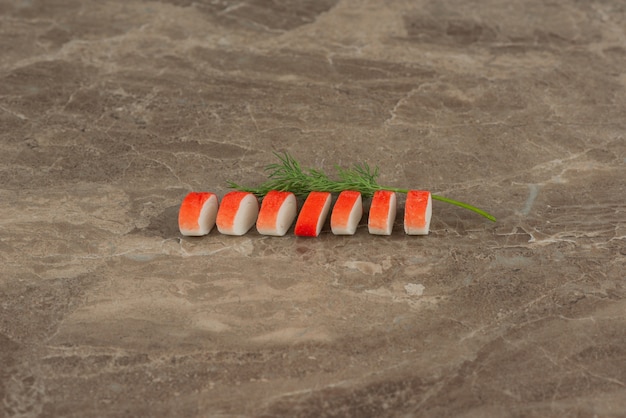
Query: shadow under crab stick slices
[[382, 213], [418, 210], [237, 213], [347, 213], [197, 213], [313, 214], [278, 211]]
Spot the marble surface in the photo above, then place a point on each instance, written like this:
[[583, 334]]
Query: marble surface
[[111, 111]]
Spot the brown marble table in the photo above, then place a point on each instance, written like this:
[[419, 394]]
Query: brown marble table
[[111, 111]]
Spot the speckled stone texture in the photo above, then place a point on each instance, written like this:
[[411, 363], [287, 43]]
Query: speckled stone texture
[[112, 111]]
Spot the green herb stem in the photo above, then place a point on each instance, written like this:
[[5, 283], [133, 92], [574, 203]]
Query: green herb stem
[[451, 201]]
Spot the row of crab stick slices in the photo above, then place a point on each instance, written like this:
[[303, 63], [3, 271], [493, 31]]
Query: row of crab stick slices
[[239, 211]]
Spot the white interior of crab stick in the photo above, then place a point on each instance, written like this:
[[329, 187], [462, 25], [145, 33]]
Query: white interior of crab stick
[[278, 211], [237, 213], [382, 213], [197, 213], [418, 212], [347, 213], [313, 214]]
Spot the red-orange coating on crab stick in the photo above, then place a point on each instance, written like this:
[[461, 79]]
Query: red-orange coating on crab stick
[[196, 216], [237, 213], [417, 212], [278, 211], [382, 213], [313, 214], [347, 213]]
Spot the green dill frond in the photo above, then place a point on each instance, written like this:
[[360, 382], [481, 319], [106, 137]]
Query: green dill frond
[[288, 175]]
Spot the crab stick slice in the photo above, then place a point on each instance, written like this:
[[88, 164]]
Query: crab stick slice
[[197, 213], [278, 211], [382, 213], [347, 213], [313, 214], [237, 213], [417, 212]]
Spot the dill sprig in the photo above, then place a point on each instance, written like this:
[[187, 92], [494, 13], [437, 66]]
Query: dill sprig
[[288, 175]]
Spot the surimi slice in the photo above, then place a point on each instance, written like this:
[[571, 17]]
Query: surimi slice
[[278, 211], [237, 213], [417, 212], [197, 213], [382, 213], [347, 213], [313, 214]]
